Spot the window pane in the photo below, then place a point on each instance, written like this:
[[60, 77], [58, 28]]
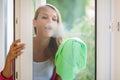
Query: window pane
[[78, 17]]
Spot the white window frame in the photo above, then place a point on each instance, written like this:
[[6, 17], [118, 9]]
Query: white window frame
[[103, 40], [106, 43], [23, 30], [108, 39], [115, 42]]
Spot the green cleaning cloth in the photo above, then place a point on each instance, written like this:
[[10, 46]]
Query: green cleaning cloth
[[70, 58]]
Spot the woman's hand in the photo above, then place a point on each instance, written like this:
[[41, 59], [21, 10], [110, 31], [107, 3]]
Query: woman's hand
[[15, 50]]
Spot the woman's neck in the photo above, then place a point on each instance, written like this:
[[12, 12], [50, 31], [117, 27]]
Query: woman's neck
[[40, 43], [40, 48]]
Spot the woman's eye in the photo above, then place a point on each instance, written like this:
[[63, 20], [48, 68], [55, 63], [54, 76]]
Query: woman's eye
[[44, 17], [54, 19]]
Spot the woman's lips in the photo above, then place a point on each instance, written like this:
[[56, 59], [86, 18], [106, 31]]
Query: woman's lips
[[48, 27]]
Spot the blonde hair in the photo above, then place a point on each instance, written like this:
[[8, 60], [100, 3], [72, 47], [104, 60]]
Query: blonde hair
[[51, 6]]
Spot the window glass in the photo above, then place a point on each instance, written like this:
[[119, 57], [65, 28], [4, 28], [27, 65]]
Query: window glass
[[78, 17]]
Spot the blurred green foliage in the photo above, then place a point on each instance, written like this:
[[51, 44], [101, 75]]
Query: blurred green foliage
[[71, 10], [77, 20]]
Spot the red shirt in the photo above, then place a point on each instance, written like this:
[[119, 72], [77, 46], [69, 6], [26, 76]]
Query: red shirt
[[54, 76]]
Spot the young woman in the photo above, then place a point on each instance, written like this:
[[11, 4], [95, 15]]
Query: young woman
[[45, 46]]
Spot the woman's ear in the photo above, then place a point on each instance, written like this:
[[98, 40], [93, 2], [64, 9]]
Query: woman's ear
[[34, 24]]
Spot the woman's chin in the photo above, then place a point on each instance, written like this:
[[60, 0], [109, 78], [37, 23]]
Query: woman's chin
[[48, 35]]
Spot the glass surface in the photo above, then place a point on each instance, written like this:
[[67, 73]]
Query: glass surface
[[78, 17]]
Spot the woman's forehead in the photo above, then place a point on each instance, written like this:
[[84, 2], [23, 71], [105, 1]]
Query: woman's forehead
[[47, 11]]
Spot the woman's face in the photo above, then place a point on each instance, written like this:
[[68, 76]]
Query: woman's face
[[46, 22]]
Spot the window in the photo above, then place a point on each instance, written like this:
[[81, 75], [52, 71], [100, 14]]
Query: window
[[78, 17], [83, 14], [24, 30]]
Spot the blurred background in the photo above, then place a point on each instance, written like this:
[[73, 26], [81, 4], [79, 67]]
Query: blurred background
[[78, 17]]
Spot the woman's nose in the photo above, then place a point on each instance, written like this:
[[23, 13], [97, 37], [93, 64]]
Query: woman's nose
[[50, 20]]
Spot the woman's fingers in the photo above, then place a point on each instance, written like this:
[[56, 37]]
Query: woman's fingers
[[15, 50], [18, 49], [15, 42]]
